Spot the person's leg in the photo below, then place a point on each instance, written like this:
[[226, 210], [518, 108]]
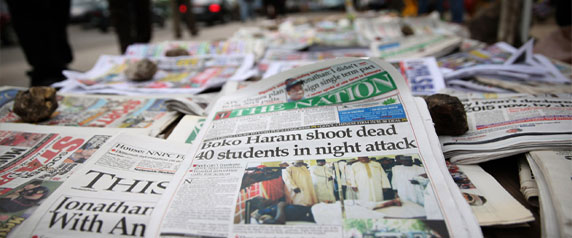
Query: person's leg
[[243, 10], [190, 19], [457, 10], [143, 21], [42, 34], [280, 217], [423, 7], [121, 20]]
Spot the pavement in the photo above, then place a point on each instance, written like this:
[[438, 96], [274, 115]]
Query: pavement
[[89, 44]]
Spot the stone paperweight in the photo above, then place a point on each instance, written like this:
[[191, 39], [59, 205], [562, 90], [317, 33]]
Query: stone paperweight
[[141, 70], [176, 52], [35, 104], [448, 114]]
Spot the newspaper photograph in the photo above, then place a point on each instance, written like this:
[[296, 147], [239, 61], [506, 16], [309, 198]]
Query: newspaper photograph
[[342, 109], [102, 111], [113, 195], [330, 191], [507, 126], [183, 74], [490, 202], [35, 161]]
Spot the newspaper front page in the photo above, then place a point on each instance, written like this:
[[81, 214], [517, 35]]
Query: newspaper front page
[[113, 195], [507, 126], [35, 161], [302, 154], [99, 111]]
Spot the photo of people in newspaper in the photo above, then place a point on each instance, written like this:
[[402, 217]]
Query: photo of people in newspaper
[[20, 139], [358, 228], [464, 183], [86, 150], [459, 177], [330, 191], [21, 202]]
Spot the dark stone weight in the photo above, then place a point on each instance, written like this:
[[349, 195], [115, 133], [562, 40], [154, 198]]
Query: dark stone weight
[[176, 52], [35, 104], [142, 70], [448, 114]]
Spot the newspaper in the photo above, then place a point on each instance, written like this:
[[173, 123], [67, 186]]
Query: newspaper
[[508, 126], [226, 47], [288, 57], [389, 28], [187, 129], [505, 63], [184, 74], [473, 85], [528, 185], [422, 75], [255, 147], [275, 67], [415, 46], [490, 202], [552, 171], [35, 161], [113, 194], [191, 105], [497, 53], [100, 111]]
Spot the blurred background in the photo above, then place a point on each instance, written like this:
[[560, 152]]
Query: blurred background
[[91, 33]]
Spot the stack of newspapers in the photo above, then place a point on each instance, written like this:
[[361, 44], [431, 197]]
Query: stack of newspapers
[[246, 172], [501, 68], [510, 125], [552, 171]]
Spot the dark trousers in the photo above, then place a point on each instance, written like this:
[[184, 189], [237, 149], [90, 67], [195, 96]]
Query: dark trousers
[[41, 28], [132, 21]]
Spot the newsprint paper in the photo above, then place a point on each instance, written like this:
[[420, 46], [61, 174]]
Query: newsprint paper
[[113, 195], [109, 111], [302, 154], [35, 161], [490, 202], [506, 126], [553, 171]]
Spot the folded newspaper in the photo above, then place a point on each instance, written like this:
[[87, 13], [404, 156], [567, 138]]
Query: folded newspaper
[[249, 173], [552, 171], [183, 74], [36, 160], [507, 126], [528, 185], [113, 194], [490, 202], [201, 48], [99, 111]]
